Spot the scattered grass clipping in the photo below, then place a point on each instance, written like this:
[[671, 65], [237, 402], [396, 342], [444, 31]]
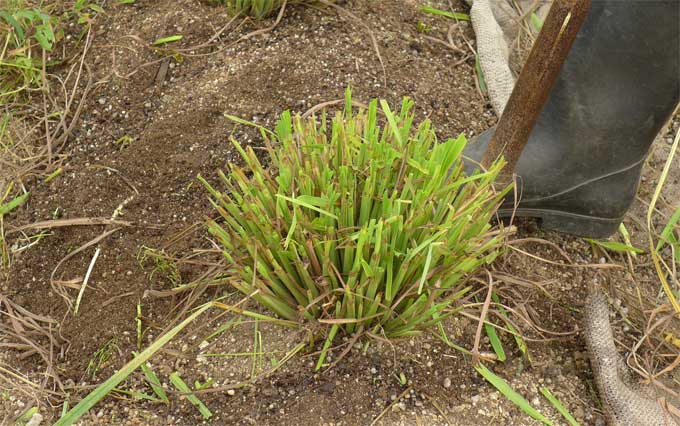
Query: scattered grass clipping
[[356, 227]]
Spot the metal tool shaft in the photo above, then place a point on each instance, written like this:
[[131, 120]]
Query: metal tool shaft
[[535, 82]]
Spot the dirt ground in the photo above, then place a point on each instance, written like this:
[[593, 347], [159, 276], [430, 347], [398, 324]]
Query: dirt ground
[[172, 106]]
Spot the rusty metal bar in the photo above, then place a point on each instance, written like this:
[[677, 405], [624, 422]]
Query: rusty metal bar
[[535, 81]]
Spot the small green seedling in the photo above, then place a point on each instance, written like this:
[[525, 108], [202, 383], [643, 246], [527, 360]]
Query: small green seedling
[[163, 265], [5, 208], [423, 28], [25, 35], [670, 236], [124, 141], [101, 357], [83, 8], [58, 213], [199, 386]]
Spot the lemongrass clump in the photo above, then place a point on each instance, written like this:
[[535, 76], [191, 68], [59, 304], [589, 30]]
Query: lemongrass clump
[[257, 8], [359, 227]]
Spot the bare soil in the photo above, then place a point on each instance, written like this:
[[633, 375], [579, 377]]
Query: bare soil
[[172, 107]]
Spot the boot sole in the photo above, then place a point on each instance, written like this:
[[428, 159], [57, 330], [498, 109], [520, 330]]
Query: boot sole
[[570, 223]]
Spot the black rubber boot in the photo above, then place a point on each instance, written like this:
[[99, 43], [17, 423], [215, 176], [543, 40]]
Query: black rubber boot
[[619, 85]]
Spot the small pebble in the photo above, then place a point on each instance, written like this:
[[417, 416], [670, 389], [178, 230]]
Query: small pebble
[[399, 407], [578, 413], [35, 420]]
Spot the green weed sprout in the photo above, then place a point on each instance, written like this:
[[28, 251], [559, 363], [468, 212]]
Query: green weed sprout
[[21, 33], [356, 227]]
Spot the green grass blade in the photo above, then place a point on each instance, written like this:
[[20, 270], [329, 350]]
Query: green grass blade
[[559, 407], [138, 395], [667, 233], [16, 202], [426, 268], [507, 391], [327, 345], [25, 417], [184, 388], [396, 130], [239, 120], [169, 39], [536, 22], [451, 15], [614, 246], [650, 229], [521, 344], [307, 205], [103, 389], [480, 75], [626, 237], [495, 342], [154, 382]]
